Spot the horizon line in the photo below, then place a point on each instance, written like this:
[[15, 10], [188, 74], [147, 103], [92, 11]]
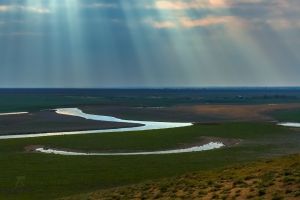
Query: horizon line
[[145, 88]]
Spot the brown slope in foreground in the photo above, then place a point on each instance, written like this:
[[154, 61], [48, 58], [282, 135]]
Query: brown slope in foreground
[[272, 179]]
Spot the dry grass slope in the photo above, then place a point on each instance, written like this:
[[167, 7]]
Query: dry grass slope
[[272, 179]]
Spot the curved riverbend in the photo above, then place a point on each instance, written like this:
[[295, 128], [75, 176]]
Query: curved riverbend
[[209, 146], [146, 125], [290, 124]]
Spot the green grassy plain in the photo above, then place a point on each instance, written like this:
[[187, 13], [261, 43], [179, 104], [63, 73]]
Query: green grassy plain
[[38, 176], [14, 100], [287, 115], [30, 176]]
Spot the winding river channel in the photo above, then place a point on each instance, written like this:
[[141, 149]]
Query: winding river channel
[[145, 125], [205, 147]]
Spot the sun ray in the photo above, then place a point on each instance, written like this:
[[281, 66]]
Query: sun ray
[[157, 42]]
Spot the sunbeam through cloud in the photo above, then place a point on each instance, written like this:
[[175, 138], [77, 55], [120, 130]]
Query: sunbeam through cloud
[[139, 43]]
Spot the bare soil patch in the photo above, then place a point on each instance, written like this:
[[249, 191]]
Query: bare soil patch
[[238, 112]]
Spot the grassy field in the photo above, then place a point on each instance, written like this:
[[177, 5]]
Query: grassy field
[[29, 176], [12, 100], [287, 115], [271, 179], [38, 176], [155, 139]]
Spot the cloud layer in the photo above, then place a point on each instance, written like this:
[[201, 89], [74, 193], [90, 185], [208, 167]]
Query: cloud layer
[[202, 13], [108, 43]]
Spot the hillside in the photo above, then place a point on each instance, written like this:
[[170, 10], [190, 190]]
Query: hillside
[[270, 179]]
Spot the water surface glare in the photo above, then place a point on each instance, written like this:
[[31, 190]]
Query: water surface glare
[[290, 124], [13, 113]]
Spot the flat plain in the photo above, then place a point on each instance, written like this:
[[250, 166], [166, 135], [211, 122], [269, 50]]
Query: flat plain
[[26, 174]]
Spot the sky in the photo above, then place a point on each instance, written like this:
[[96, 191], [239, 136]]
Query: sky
[[149, 43]]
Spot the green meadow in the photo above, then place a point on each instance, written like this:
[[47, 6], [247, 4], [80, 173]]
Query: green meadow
[[287, 115], [27, 175]]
